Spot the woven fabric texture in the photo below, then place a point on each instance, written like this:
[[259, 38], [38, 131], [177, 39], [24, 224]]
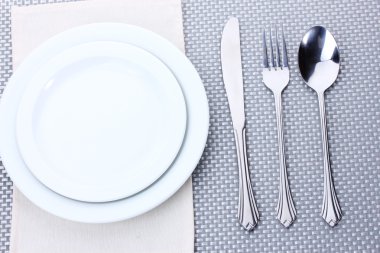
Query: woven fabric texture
[[353, 115]]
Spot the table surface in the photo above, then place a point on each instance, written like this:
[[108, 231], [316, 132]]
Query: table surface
[[353, 122]]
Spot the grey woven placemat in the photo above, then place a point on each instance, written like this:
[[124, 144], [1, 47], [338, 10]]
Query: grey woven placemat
[[353, 111]]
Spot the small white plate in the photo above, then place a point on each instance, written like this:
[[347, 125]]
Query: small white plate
[[181, 168], [101, 121]]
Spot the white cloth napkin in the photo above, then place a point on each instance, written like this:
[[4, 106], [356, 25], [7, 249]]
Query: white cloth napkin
[[167, 228]]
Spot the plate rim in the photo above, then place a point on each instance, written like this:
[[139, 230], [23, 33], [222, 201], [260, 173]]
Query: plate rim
[[79, 210]]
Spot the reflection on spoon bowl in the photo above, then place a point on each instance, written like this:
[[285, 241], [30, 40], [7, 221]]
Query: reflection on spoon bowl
[[318, 59]]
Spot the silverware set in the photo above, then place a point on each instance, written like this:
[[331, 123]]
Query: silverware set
[[276, 78], [248, 214], [318, 59]]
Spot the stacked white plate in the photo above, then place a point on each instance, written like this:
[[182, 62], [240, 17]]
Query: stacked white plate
[[103, 122]]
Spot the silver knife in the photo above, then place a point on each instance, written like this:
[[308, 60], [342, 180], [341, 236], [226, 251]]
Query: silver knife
[[233, 81]]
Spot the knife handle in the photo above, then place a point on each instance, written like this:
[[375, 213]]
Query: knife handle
[[248, 214]]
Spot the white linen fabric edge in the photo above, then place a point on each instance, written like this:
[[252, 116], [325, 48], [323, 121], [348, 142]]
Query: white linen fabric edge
[[167, 228]]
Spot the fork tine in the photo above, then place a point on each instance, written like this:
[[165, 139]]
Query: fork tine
[[271, 47], [278, 56], [284, 55], [265, 55]]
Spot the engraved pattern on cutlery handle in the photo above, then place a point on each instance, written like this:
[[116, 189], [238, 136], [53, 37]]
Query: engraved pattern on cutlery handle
[[331, 211], [286, 211], [248, 214]]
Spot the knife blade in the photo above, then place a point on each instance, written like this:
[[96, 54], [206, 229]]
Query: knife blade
[[232, 70], [248, 214]]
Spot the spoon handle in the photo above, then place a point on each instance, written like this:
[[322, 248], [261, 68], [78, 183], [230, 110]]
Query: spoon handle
[[331, 211], [286, 212], [248, 214]]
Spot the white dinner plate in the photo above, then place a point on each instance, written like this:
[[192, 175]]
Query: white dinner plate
[[180, 170], [101, 121]]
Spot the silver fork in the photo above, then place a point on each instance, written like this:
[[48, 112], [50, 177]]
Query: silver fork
[[276, 78]]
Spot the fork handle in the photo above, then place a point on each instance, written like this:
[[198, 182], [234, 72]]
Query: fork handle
[[286, 212], [331, 211], [248, 215]]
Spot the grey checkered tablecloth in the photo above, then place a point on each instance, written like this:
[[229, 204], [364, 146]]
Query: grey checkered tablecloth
[[353, 113]]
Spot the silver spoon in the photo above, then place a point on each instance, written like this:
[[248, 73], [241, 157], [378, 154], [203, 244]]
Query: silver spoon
[[318, 60]]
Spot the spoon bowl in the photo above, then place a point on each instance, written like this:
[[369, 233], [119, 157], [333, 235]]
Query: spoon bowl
[[318, 58]]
